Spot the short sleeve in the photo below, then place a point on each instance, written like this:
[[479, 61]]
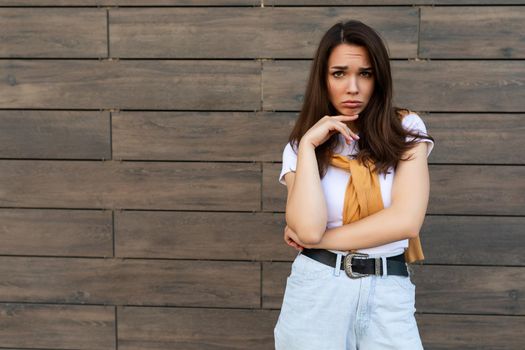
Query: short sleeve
[[414, 123], [289, 162]]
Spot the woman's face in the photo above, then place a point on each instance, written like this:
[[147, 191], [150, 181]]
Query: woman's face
[[350, 78]]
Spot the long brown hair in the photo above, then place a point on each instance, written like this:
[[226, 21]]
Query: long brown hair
[[382, 136]]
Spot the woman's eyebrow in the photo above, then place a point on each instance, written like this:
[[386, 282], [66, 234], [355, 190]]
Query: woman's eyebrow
[[346, 67]]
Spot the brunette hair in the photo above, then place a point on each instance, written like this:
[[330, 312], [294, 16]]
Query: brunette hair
[[382, 136]]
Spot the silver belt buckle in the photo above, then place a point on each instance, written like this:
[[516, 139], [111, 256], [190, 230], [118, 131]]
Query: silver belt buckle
[[348, 264]]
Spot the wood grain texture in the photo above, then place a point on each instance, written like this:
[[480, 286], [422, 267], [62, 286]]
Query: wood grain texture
[[203, 136], [55, 134], [444, 86], [156, 84], [187, 235], [130, 185], [444, 289], [473, 240], [131, 282], [471, 332], [476, 138], [477, 190], [472, 32], [56, 232], [62, 32], [194, 328], [249, 32], [46, 326]]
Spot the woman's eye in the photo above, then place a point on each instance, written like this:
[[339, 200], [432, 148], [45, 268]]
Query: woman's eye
[[335, 73], [367, 74]]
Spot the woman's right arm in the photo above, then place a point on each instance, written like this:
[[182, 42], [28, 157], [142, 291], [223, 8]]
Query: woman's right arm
[[306, 211]]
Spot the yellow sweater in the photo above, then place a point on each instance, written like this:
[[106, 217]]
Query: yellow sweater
[[363, 198]]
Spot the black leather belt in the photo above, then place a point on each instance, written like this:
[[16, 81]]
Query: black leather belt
[[358, 265]]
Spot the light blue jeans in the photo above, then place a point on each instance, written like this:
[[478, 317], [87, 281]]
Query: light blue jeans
[[324, 309]]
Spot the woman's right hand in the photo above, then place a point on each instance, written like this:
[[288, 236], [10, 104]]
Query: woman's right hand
[[327, 126]]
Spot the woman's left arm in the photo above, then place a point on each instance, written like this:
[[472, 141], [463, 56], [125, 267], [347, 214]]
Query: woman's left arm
[[403, 219]]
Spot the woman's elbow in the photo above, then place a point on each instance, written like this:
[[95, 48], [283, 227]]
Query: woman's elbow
[[413, 226], [309, 235]]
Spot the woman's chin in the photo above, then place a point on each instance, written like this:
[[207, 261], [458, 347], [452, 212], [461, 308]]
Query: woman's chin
[[350, 111]]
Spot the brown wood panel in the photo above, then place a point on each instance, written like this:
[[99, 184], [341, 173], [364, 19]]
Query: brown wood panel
[[56, 232], [454, 189], [194, 328], [185, 235], [204, 136], [150, 84], [249, 32], [57, 326], [445, 86], [61, 32], [477, 190], [439, 289], [55, 134], [476, 138], [471, 332], [470, 289], [472, 32], [130, 185], [131, 282], [476, 240]]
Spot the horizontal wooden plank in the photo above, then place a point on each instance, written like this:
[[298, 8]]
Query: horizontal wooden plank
[[249, 32], [439, 289], [130, 185], [472, 32], [476, 138], [477, 190], [471, 236], [444, 86], [57, 326], [182, 235], [56, 232], [55, 134], [450, 289], [150, 84], [130, 282], [454, 189], [194, 328], [54, 32], [202, 136], [471, 332]]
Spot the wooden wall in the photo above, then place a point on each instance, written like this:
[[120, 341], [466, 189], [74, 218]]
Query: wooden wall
[[141, 142]]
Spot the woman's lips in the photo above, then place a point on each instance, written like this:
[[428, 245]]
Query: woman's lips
[[352, 104]]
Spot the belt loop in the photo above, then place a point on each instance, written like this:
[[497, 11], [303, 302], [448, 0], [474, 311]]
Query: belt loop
[[337, 267], [383, 259]]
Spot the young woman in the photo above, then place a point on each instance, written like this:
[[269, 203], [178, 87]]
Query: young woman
[[358, 185]]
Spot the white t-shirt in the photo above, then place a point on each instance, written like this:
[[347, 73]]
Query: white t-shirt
[[335, 181]]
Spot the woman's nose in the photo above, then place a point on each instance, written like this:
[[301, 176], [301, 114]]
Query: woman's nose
[[352, 85]]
